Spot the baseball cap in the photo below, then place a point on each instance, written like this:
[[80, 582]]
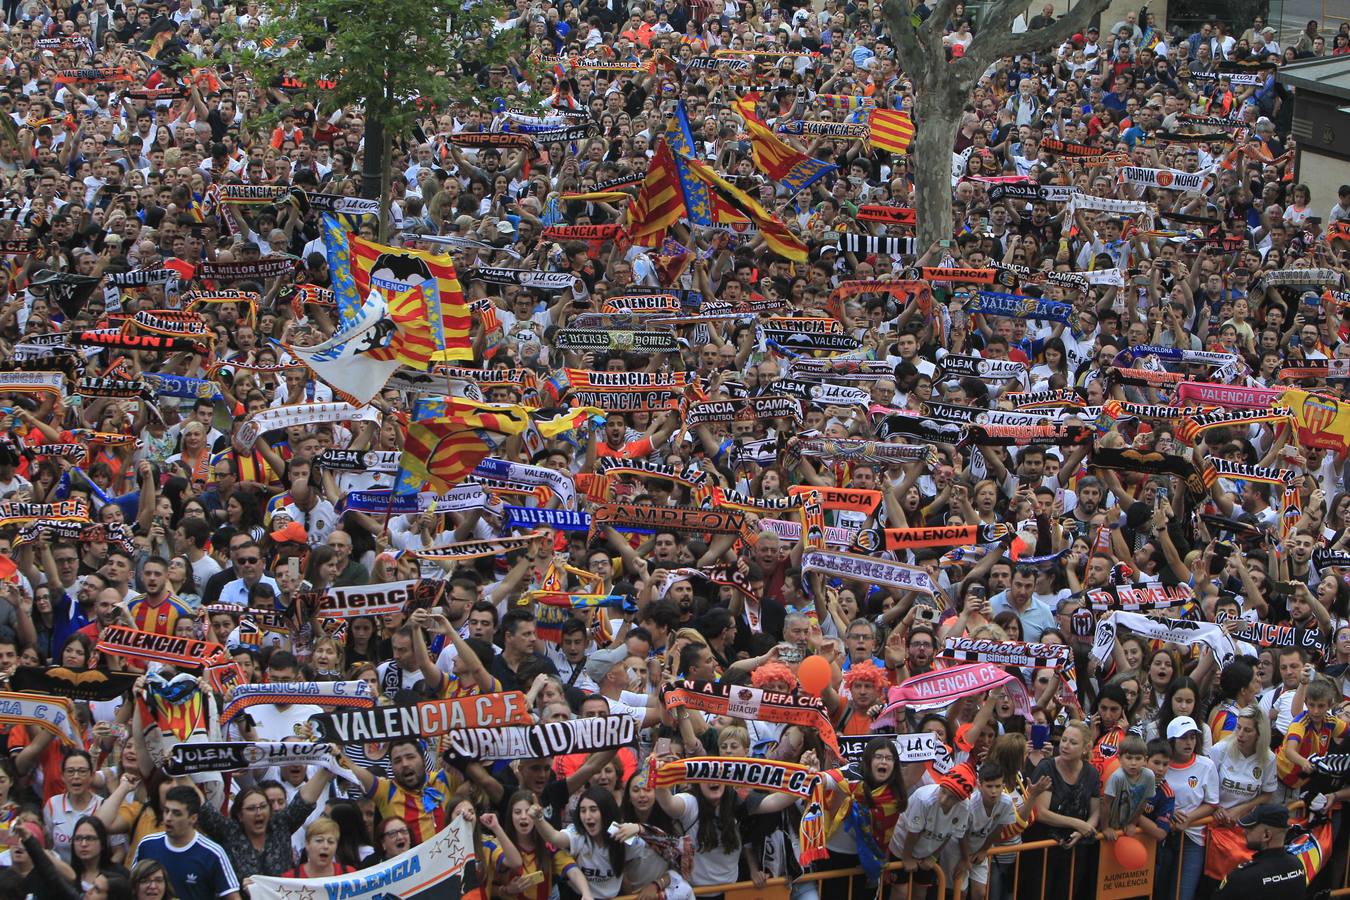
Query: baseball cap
[[1272, 814], [1181, 726], [599, 663], [293, 532]]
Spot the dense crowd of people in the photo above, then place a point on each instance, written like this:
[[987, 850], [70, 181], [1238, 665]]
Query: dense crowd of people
[[753, 545]]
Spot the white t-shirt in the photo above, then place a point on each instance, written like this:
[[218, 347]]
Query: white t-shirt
[[926, 818], [1241, 778], [710, 866], [593, 860], [984, 822], [273, 723], [1194, 784], [61, 818]]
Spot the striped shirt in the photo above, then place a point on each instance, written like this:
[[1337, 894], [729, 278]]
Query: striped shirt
[[160, 619], [425, 809]]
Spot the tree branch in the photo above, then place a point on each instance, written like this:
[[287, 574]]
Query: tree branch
[[898, 14], [990, 44]]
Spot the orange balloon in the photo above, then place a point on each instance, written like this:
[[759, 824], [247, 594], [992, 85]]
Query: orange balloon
[[814, 674], [1130, 852]]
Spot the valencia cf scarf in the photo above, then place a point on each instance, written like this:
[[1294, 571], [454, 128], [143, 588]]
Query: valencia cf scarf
[[745, 408], [852, 499], [52, 383], [945, 536], [1260, 474], [1263, 634], [90, 686], [1185, 632], [115, 388], [1137, 599], [1033, 399], [1194, 426], [1014, 653], [1152, 462], [890, 215], [119, 640], [871, 570], [941, 688], [859, 451], [52, 714], [759, 775], [328, 694], [430, 718], [1027, 435], [483, 549], [21, 512]]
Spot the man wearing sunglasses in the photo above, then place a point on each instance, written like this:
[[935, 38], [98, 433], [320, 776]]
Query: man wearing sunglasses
[[248, 564]]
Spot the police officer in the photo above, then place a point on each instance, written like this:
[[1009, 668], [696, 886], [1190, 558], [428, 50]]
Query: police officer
[[1275, 872]]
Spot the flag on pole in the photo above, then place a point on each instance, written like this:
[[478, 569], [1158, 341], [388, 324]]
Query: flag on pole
[[891, 130], [782, 162], [775, 232], [395, 270], [660, 202], [681, 139]]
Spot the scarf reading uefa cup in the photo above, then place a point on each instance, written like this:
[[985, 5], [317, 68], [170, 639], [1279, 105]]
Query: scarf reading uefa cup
[[719, 699]]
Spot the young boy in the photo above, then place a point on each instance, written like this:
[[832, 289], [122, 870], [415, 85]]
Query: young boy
[[1311, 734], [991, 810], [936, 814], [1157, 819], [1128, 789]]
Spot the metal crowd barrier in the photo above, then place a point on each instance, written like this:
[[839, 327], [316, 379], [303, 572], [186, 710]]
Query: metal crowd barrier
[[778, 888]]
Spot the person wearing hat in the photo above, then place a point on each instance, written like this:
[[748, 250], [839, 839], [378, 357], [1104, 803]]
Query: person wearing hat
[[606, 668], [1275, 872], [1195, 783], [935, 814]]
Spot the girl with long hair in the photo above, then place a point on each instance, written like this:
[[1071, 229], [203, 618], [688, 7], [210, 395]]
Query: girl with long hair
[[1068, 813], [540, 867], [1249, 779], [91, 853]]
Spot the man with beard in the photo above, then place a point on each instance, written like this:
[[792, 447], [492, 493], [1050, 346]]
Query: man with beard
[[422, 799], [1274, 872]]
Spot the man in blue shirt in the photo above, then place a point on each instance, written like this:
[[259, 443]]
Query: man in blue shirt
[[197, 866]]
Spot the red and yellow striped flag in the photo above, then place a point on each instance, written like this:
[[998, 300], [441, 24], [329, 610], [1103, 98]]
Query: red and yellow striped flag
[[775, 232], [775, 157], [394, 269], [660, 200], [444, 450], [891, 130]]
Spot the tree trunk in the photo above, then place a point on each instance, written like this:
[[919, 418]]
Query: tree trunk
[[374, 160], [937, 117], [386, 193]]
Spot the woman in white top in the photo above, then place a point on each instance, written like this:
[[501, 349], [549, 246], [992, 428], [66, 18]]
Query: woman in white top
[[605, 849], [1247, 779], [708, 817]]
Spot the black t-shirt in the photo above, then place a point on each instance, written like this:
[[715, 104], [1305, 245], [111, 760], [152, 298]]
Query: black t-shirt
[[1065, 799]]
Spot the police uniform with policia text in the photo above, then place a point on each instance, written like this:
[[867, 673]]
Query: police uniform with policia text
[[1273, 873]]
